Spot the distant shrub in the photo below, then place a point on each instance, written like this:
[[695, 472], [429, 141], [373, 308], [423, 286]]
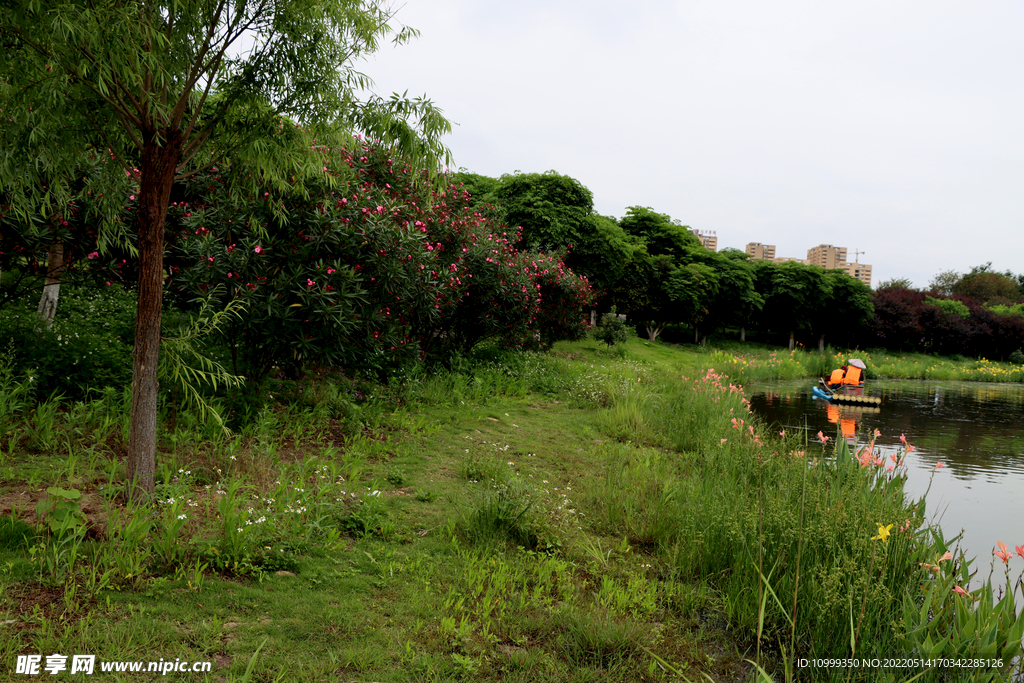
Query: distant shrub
[[1017, 357], [612, 329]]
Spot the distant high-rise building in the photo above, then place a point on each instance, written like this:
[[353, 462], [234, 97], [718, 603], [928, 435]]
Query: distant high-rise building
[[827, 256], [708, 238], [859, 271], [761, 252]]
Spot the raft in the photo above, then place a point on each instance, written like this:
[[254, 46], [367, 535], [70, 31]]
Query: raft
[[847, 398], [851, 399]]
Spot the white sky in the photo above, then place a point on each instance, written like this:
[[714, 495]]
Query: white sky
[[895, 128]]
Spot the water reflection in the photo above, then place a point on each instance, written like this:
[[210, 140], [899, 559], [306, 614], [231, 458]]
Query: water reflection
[[975, 429]]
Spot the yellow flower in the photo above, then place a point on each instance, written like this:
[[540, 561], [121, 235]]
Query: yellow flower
[[883, 533]]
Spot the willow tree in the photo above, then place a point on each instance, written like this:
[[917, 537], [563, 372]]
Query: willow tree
[[167, 87]]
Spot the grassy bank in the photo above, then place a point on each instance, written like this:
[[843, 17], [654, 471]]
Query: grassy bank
[[583, 515], [745, 363]]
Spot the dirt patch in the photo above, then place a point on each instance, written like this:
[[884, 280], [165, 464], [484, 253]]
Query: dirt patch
[[22, 505]]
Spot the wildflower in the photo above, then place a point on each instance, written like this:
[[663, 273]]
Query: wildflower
[[883, 533], [939, 465], [782, 433], [824, 439], [724, 440], [947, 556], [961, 591], [1001, 553]]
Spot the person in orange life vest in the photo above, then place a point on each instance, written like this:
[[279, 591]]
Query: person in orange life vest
[[848, 375]]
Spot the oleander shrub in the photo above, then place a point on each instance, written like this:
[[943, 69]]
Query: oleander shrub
[[368, 267]]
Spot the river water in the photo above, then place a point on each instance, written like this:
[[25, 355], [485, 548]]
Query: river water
[[975, 429]]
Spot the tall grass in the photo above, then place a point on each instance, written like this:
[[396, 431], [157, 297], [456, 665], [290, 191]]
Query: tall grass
[[787, 532]]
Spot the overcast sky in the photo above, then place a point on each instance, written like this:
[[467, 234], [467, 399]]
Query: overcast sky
[[895, 128]]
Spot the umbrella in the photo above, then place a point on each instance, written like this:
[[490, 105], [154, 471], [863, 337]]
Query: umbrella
[[857, 363]]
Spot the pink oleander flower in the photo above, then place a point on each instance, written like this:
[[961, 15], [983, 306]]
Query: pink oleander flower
[[309, 283], [258, 249], [93, 255]]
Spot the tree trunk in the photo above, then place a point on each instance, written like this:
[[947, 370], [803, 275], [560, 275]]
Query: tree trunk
[[743, 334], [653, 331], [821, 343], [792, 340], [696, 335], [51, 289], [158, 167], [593, 317]]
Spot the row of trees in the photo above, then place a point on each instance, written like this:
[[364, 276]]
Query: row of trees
[[654, 268], [977, 313]]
